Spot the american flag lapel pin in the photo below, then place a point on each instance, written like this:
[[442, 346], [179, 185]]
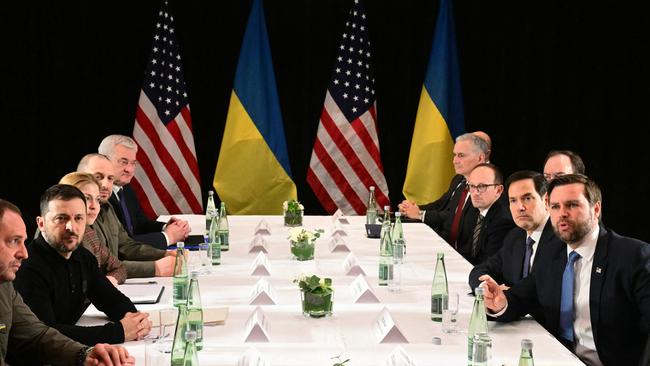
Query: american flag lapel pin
[[599, 270]]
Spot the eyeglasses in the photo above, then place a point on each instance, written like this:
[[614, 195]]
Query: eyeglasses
[[124, 162], [480, 188]]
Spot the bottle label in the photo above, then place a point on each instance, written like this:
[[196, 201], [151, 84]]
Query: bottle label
[[224, 240], [385, 272], [216, 253], [436, 305], [180, 290]]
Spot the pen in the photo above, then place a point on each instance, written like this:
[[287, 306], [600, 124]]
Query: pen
[[142, 283]]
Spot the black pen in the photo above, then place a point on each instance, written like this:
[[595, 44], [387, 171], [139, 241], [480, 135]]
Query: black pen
[[142, 283]]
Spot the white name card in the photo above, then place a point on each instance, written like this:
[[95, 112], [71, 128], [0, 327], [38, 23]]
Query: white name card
[[252, 357], [399, 357], [258, 244], [338, 217], [361, 291], [257, 327], [262, 293], [263, 228], [260, 265], [337, 244], [337, 229], [386, 330], [352, 267]]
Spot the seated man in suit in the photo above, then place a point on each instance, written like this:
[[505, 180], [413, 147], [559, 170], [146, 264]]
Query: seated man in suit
[[594, 292], [61, 278], [481, 229], [469, 151], [140, 260], [121, 151], [560, 162], [525, 244], [22, 335]]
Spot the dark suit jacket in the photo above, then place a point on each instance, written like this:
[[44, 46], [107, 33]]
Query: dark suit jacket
[[497, 223], [619, 296], [145, 230], [506, 265], [440, 210]]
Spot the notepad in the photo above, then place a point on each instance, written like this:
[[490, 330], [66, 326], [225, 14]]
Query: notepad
[[142, 293]]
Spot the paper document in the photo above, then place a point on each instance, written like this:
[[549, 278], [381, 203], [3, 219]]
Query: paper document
[[142, 292]]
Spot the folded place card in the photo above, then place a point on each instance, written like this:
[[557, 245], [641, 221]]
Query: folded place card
[[263, 228], [337, 229], [215, 316], [257, 327], [361, 291], [386, 330], [352, 267], [399, 357], [260, 266], [258, 244], [337, 244], [262, 293], [252, 357], [338, 217]]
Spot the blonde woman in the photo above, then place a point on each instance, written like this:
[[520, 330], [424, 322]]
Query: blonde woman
[[109, 264]]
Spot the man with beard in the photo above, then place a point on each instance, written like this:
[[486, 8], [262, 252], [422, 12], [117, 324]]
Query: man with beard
[[61, 278], [594, 292]]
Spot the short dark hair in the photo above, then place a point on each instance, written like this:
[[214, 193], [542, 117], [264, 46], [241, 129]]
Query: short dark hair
[[498, 176], [8, 206], [592, 191], [63, 192], [576, 161], [538, 180]]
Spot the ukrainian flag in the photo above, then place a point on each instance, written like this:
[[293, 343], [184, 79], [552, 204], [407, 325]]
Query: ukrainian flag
[[439, 119], [253, 175]]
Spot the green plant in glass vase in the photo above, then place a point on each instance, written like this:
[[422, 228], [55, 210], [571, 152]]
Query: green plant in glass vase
[[302, 242], [293, 212], [316, 295]]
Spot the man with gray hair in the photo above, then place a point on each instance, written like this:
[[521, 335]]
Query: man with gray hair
[[121, 151], [470, 150]]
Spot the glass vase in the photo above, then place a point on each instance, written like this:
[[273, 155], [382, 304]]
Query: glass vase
[[293, 218], [316, 305], [303, 250]]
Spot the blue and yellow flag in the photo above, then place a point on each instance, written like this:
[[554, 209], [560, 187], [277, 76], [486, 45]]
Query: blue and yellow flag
[[440, 117], [253, 175]]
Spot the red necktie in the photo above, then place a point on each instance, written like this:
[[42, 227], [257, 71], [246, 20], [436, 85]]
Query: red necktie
[[453, 235]]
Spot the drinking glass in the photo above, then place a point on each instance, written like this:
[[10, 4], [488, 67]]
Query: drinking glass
[[450, 313]]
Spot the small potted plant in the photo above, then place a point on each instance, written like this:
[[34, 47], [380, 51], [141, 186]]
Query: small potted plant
[[293, 212], [302, 243], [316, 295]]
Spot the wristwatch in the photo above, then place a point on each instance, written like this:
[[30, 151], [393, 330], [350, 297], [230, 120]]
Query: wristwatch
[[83, 354]]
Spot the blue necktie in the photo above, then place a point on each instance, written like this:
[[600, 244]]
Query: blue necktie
[[529, 252], [125, 212], [566, 302]]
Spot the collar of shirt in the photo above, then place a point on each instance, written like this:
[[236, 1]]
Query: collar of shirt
[[484, 212], [116, 190], [537, 234], [587, 246]]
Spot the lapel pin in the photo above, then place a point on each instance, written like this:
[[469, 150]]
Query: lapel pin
[[599, 270]]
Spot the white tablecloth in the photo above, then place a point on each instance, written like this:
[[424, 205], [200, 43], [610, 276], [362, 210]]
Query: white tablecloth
[[297, 340]]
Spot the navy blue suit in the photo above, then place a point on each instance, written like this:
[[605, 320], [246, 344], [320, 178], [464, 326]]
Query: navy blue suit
[[619, 296], [145, 230], [506, 266], [440, 210]]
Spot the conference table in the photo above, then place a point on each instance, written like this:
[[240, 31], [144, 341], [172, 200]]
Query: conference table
[[287, 337]]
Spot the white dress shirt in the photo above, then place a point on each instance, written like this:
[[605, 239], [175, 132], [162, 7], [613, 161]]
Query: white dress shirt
[[536, 235], [582, 328]]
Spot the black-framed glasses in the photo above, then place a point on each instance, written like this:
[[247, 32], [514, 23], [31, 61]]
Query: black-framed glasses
[[480, 188]]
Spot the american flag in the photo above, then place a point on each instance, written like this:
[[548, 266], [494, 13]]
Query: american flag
[[168, 179], [345, 160]]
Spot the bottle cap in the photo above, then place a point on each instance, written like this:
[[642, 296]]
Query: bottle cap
[[372, 188], [398, 214], [440, 255], [180, 245], [479, 291], [194, 275], [526, 344], [386, 208], [436, 340]]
